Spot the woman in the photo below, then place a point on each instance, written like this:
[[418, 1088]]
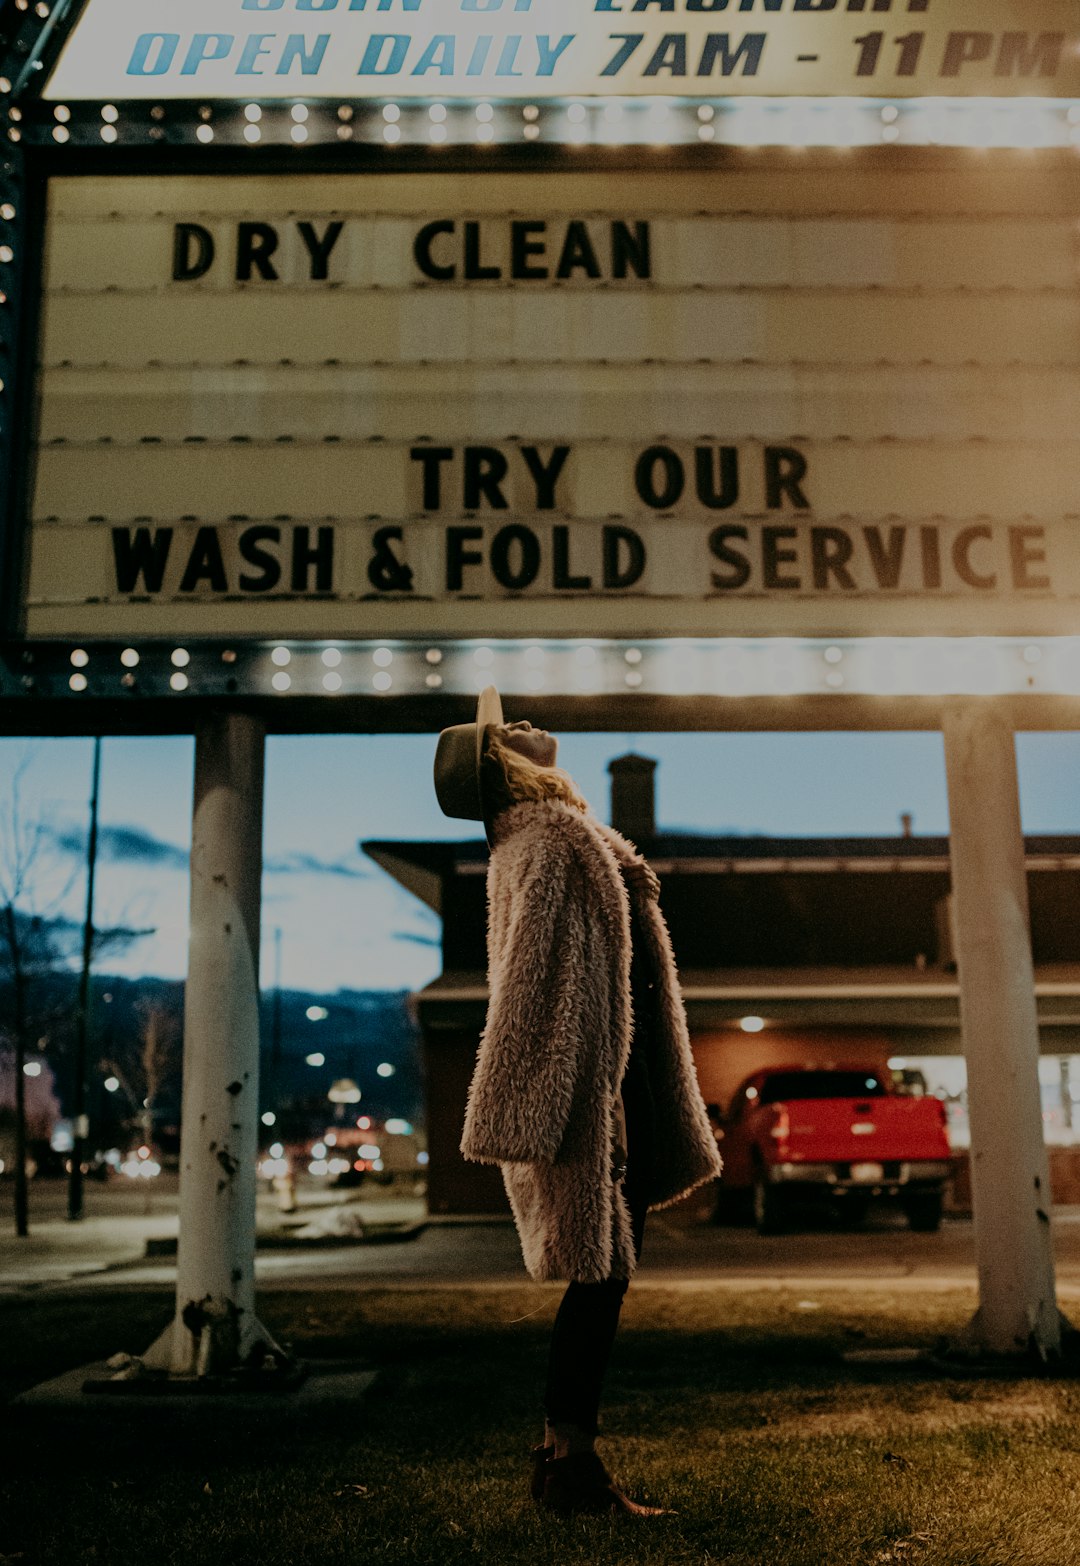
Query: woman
[[584, 1091]]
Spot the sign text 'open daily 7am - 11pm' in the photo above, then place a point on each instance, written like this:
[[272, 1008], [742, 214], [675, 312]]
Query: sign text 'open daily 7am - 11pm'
[[535, 49]]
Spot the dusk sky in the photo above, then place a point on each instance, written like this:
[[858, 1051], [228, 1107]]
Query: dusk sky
[[346, 924]]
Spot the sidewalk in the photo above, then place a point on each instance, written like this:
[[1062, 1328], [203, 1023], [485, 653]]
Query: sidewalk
[[57, 1250]]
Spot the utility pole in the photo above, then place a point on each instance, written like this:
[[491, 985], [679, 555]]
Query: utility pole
[[275, 1028], [22, 1195], [81, 1128]]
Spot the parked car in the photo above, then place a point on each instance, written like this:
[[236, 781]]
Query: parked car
[[841, 1133]]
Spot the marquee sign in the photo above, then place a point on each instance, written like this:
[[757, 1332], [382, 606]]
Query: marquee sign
[[453, 406], [537, 49]]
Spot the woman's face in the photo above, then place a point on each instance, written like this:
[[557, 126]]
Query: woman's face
[[537, 745]]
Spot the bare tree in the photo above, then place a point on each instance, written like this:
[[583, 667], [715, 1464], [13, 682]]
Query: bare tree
[[27, 911], [38, 872], [143, 1070]]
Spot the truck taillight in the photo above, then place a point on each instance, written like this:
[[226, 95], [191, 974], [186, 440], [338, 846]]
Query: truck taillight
[[782, 1126]]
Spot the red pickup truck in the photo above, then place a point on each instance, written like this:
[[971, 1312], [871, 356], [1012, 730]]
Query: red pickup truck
[[842, 1133]]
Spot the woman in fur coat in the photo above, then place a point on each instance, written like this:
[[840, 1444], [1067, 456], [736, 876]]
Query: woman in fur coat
[[584, 1091]]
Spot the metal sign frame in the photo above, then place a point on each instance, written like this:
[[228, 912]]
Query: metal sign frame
[[110, 692]]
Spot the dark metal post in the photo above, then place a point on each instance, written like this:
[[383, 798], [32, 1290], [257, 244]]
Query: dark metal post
[[22, 1195], [80, 1124], [275, 1032]]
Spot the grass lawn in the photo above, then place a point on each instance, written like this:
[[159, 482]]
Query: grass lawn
[[733, 1407]]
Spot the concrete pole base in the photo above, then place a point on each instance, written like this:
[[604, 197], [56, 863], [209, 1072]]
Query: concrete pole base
[[967, 1352], [207, 1344]]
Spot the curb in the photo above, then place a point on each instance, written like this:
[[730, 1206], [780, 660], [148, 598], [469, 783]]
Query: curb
[[386, 1235]]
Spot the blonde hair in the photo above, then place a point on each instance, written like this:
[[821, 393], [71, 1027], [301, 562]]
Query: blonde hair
[[514, 778]]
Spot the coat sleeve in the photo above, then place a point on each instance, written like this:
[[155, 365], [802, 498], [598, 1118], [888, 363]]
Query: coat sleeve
[[522, 1087]]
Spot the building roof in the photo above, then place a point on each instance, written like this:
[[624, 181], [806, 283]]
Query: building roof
[[420, 866], [924, 1002]]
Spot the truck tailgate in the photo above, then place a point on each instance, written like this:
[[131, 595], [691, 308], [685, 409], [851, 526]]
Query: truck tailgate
[[846, 1129]]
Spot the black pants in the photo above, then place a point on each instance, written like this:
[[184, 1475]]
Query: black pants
[[588, 1315]]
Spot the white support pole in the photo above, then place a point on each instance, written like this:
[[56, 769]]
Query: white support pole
[[1010, 1171], [215, 1328]]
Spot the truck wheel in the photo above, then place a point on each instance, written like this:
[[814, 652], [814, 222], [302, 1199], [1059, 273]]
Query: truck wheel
[[924, 1212], [767, 1206]]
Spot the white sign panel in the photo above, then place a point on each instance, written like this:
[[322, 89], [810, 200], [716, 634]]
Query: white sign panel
[[574, 405], [531, 49]]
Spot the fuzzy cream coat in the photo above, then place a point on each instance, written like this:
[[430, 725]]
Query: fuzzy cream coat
[[546, 1084]]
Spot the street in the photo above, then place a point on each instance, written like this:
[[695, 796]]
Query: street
[[402, 1247]]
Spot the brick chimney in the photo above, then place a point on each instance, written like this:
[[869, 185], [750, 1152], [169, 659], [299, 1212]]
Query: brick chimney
[[633, 797]]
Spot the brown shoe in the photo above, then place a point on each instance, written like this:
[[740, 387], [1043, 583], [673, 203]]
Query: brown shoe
[[581, 1483], [541, 1456]]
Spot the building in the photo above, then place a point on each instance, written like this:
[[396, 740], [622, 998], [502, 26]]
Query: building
[[795, 949]]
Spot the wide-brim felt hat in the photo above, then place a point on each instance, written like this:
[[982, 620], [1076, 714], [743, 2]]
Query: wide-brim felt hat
[[459, 760]]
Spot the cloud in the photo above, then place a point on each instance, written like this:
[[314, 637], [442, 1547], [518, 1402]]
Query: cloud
[[310, 864], [125, 845], [131, 845]]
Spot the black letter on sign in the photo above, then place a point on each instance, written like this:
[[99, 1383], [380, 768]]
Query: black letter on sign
[[728, 493], [615, 575], [886, 559], [961, 556], [785, 468], [562, 577], [186, 267], [457, 556], [485, 469], [422, 251], [545, 478], [740, 566], [385, 571], [321, 557], [205, 563], [630, 252], [255, 244], [830, 551], [773, 557], [433, 458], [522, 247], [475, 271], [145, 555], [1021, 557], [674, 477], [930, 539], [577, 253], [268, 564], [319, 249], [501, 545]]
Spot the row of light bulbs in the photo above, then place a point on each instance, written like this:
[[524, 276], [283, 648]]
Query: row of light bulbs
[[776, 666], [746, 122]]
